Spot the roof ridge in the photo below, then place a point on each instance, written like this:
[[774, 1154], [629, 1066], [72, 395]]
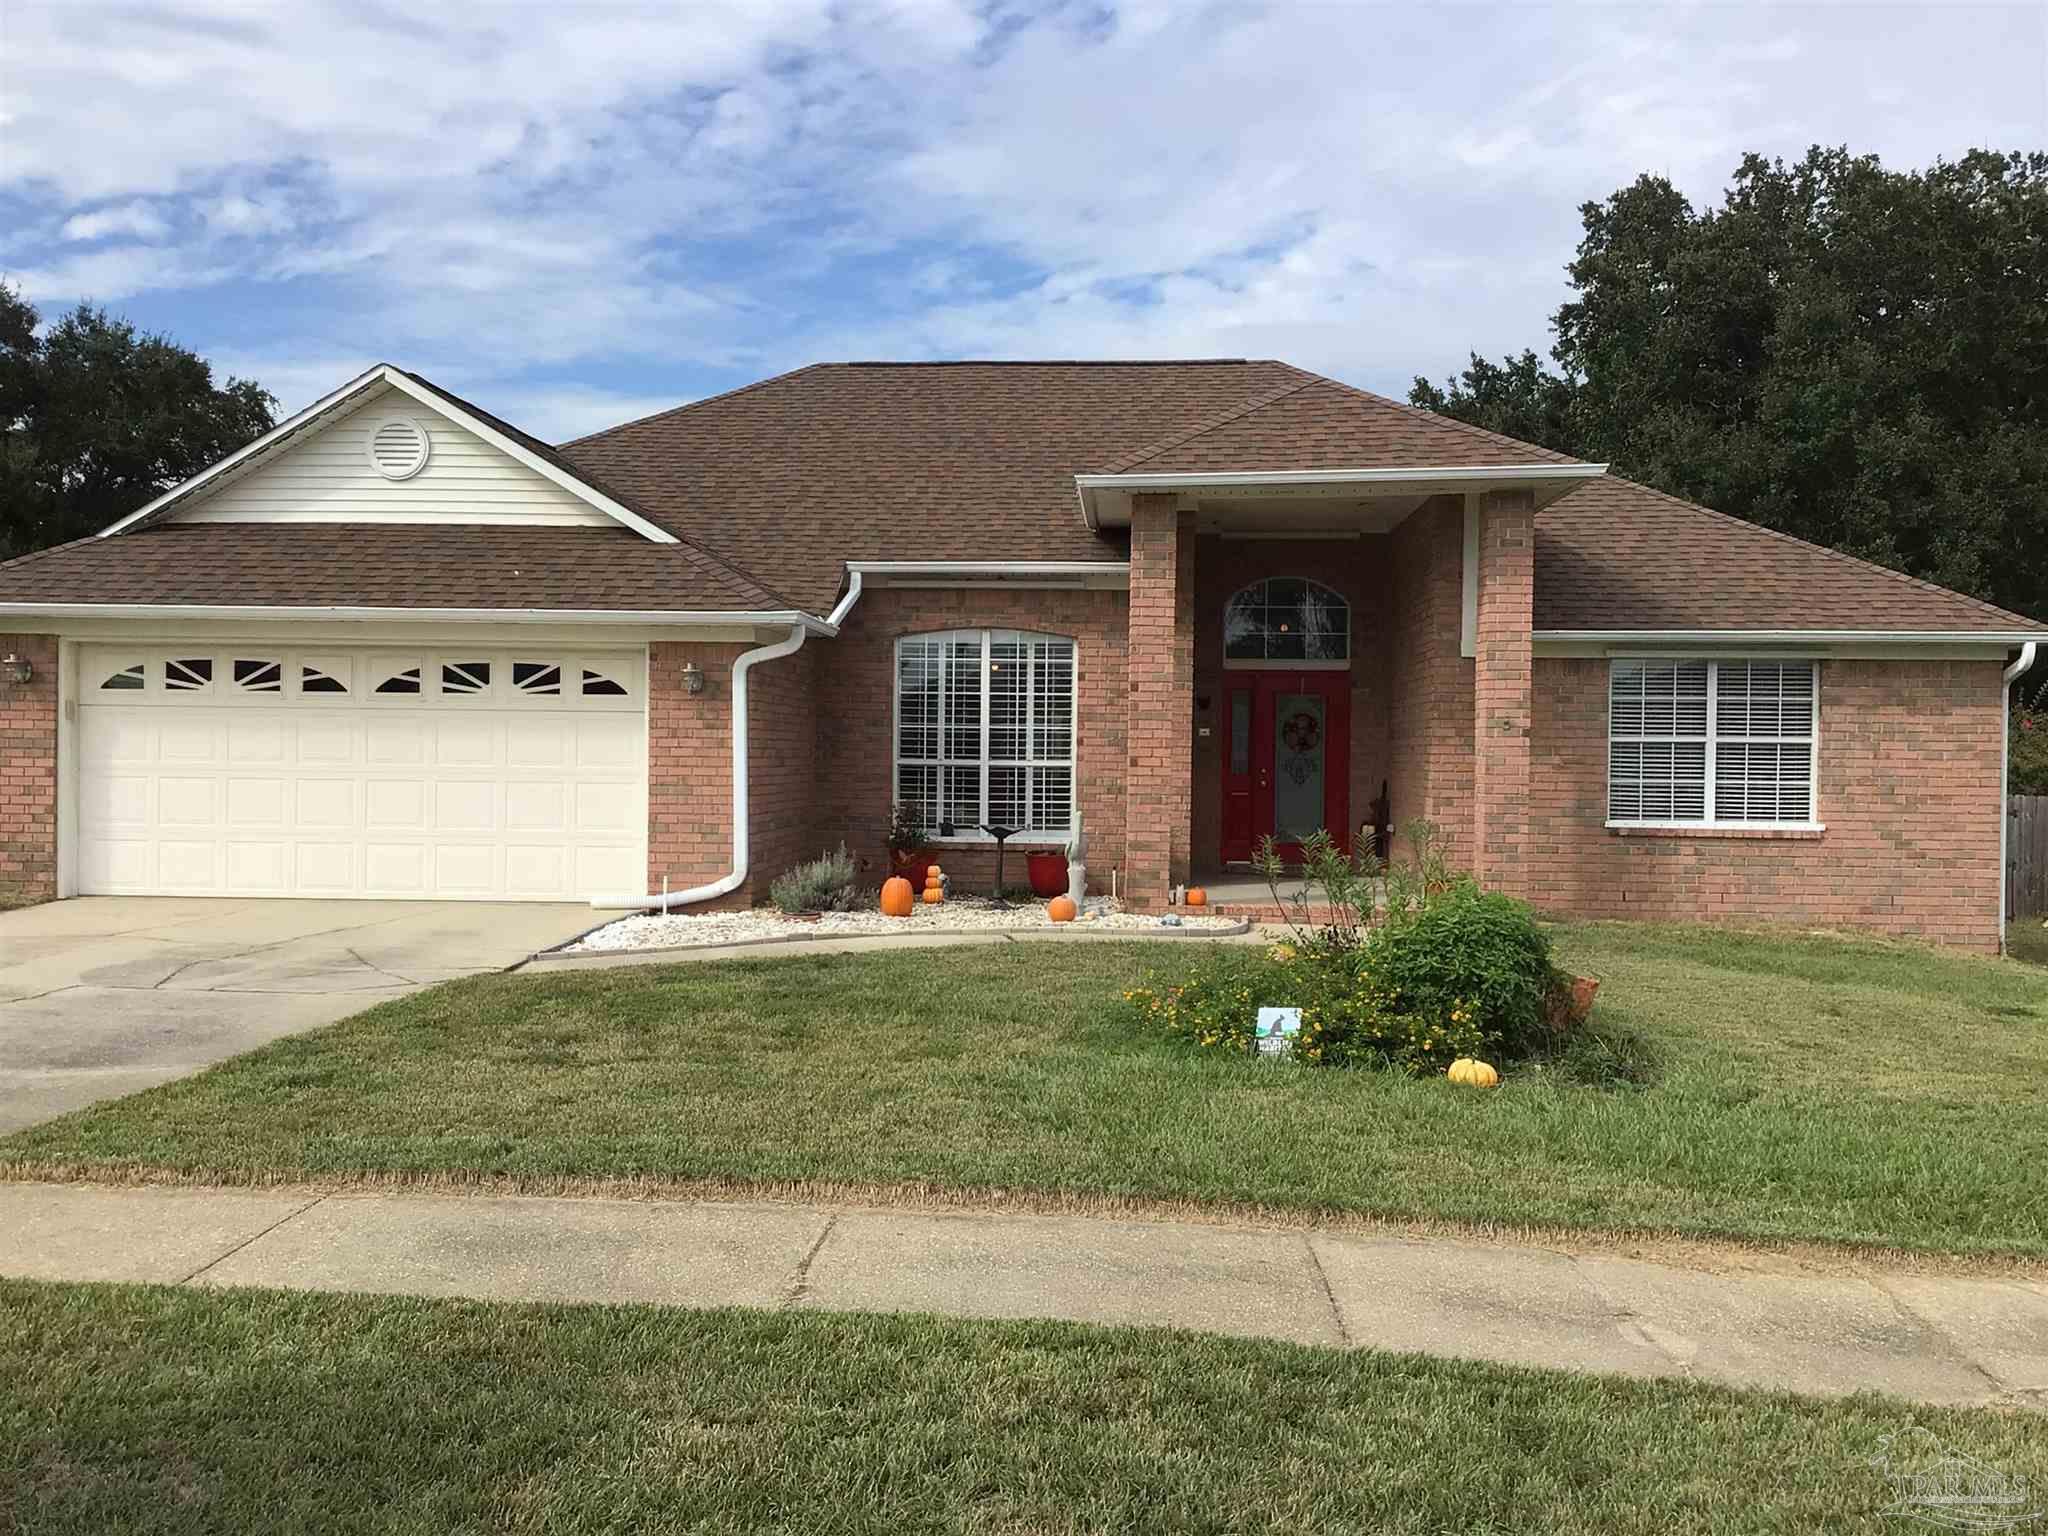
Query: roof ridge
[[1043, 362], [1436, 418], [689, 405], [1840, 556], [1205, 425]]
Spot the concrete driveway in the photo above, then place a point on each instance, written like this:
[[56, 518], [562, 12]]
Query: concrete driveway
[[105, 995]]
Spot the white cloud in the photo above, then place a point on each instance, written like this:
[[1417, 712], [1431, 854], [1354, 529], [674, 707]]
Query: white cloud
[[530, 199], [138, 220]]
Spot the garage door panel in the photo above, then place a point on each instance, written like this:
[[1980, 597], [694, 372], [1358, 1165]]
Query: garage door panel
[[500, 792], [324, 803], [395, 743], [253, 803], [259, 867]]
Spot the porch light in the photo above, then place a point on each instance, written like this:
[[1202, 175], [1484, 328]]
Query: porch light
[[693, 677], [16, 669]]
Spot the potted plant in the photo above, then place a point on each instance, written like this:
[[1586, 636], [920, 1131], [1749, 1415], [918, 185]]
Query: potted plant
[[910, 854], [1047, 870]]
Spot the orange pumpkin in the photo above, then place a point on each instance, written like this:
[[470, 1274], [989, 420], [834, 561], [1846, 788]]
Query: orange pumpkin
[[934, 894], [1197, 897], [1061, 909], [896, 897]]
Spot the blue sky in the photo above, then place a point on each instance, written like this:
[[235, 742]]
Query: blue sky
[[580, 213]]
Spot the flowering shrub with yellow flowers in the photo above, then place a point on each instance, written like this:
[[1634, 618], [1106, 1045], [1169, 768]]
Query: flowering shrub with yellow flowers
[[1468, 974]]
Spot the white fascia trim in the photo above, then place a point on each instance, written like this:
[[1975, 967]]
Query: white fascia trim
[[1182, 480], [270, 439], [385, 374], [1786, 637], [148, 611]]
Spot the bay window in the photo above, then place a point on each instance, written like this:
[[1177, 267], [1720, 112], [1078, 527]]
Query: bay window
[[985, 730], [1712, 743]]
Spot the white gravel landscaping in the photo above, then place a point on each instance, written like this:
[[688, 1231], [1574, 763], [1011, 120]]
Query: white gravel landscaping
[[680, 930]]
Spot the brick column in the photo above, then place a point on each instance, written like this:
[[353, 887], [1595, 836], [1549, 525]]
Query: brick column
[[1158, 795], [1501, 695], [28, 772]]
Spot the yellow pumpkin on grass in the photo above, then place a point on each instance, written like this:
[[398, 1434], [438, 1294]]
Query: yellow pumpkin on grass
[[1473, 1073]]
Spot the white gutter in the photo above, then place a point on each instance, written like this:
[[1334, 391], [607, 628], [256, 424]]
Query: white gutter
[[838, 614], [726, 884], [1190, 480], [2011, 674], [1784, 636], [989, 569], [352, 615]]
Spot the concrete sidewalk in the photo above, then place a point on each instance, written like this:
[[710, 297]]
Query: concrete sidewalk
[[1937, 1339]]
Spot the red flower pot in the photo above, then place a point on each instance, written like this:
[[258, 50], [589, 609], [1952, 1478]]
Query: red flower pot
[[913, 867], [1048, 873]]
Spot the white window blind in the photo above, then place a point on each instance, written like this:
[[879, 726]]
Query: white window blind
[[1712, 742], [985, 730]]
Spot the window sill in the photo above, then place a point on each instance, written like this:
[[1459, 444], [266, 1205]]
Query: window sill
[[1055, 840], [1804, 831]]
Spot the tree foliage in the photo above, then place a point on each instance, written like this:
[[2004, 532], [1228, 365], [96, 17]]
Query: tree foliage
[[1853, 355], [97, 419]]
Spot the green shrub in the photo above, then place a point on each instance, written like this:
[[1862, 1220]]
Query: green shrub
[[824, 884], [1471, 956], [1216, 1003]]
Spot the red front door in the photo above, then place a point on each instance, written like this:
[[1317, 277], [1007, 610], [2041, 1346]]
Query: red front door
[[1286, 760]]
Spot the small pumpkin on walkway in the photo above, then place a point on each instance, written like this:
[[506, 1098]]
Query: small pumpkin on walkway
[[896, 897], [1473, 1073], [1197, 896], [1061, 909]]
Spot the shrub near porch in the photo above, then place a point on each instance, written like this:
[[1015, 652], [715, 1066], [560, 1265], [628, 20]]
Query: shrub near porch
[[1811, 1088]]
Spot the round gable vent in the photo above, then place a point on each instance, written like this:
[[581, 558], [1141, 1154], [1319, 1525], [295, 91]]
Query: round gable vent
[[399, 447]]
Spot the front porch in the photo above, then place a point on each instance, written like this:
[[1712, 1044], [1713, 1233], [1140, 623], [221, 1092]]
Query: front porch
[[1334, 654]]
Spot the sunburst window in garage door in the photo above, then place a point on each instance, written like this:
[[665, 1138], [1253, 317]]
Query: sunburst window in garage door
[[259, 676], [537, 677], [124, 680], [192, 674], [597, 686], [465, 677], [325, 674], [402, 678]]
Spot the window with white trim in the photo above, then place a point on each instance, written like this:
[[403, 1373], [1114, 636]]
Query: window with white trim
[[1712, 743], [985, 730]]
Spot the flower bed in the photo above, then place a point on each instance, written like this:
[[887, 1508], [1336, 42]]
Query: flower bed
[[681, 930]]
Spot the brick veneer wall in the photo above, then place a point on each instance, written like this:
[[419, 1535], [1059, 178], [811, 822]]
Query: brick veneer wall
[[1158, 815], [856, 707], [1355, 568], [1429, 685], [28, 773], [689, 781], [1501, 684], [1909, 795]]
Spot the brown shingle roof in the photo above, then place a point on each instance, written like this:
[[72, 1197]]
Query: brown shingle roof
[[395, 566], [1617, 555], [796, 475]]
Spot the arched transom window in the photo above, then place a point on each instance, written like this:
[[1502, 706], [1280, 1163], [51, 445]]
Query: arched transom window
[[1287, 618]]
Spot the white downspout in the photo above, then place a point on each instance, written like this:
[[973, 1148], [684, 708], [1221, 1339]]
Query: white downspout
[[2005, 786], [741, 666]]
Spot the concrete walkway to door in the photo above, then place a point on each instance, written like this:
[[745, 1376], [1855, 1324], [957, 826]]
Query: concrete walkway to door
[[105, 995]]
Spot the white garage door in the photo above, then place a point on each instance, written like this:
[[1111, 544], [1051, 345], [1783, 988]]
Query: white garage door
[[468, 775]]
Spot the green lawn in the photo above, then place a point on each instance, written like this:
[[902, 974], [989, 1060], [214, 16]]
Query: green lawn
[[135, 1409], [1809, 1089]]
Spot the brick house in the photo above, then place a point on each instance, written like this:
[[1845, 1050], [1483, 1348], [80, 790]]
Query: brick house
[[398, 647]]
